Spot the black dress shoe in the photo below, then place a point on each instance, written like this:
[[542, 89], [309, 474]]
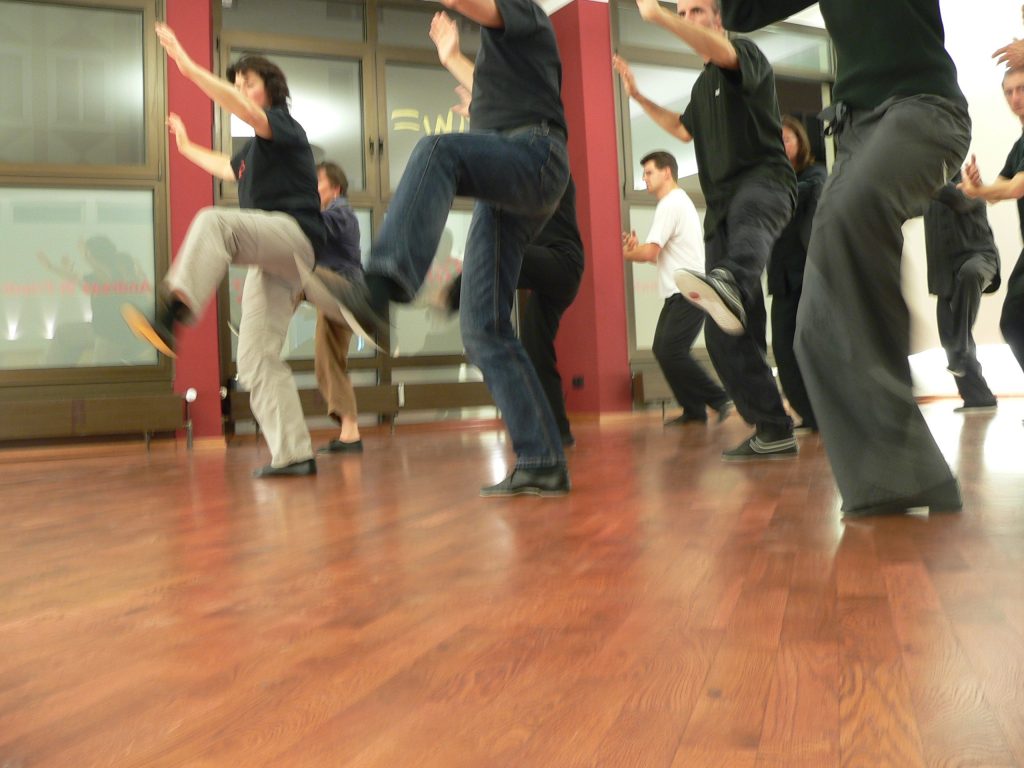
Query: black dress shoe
[[337, 446], [295, 469], [568, 441], [533, 481]]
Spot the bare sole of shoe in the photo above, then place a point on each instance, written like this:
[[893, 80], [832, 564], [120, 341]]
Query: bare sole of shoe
[[319, 296], [142, 328], [699, 293]]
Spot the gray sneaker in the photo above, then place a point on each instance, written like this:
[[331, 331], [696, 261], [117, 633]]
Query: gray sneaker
[[717, 294], [756, 449]]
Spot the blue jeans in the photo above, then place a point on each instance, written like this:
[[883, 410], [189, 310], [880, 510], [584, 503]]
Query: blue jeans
[[517, 178]]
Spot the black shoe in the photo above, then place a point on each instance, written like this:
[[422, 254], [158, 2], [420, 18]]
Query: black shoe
[[536, 481], [755, 448], [805, 428], [684, 419], [337, 446], [941, 498], [568, 441], [725, 411], [717, 294], [158, 332], [451, 295], [977, 407], [295, 469]]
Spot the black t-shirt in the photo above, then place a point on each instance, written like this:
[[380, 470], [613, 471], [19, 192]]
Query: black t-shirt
[[518, 76], [278, 174], [733, 116], [884, 48], [1015, 165], [789, 255], [956, 229]]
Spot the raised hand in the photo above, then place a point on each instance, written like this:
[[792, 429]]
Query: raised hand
[[628, 80], [1011, 55], [165, 35], [177, 128], [971, 171], [465, 99], [648, 9], [444, 33]]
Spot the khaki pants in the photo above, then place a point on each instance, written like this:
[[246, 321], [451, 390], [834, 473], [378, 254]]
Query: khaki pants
[[331, 363], [267, 242]]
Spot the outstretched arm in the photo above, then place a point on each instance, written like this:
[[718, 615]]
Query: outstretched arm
[[1000, 189], [444, 33], [710, 45], [215, 163], [223, 93], [665, 118]]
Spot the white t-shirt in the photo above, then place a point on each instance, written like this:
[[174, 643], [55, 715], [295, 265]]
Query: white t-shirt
[[677, 229]]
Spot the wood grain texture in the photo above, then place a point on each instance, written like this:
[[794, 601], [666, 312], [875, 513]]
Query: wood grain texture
[[163, 609]]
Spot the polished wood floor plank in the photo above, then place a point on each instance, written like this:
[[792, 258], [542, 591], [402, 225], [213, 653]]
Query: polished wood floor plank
[[163, 609]]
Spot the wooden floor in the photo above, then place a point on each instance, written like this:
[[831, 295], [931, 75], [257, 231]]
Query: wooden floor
[[164, 609]]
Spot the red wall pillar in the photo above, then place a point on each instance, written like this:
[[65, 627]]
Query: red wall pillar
[[592, 341], [189, 189]]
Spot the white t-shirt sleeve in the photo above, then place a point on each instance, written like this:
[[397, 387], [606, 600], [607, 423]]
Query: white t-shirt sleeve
[[665, 224]]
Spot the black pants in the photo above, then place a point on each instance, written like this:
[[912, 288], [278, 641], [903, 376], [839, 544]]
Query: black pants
[[955, 316], [757, 213], [784, 307], [553, 279], [853, 328], [1011, 322], [678, 326]]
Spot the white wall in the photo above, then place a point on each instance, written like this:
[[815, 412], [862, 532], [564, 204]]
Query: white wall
[[971, 37]]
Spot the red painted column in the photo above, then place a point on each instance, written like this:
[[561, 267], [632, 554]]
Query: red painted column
[[592, 341], [189, 189]]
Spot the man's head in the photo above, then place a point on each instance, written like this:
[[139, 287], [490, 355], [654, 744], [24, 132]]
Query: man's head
[[1013, 90], [660, 172], [703, 13], [331, 182], [260, 80]]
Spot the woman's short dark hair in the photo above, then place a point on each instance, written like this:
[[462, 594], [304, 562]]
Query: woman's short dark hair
[[274, 82], [334, 175], [804, 156]]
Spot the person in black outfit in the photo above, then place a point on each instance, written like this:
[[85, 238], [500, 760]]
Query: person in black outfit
[[962, 264], [1009, 186], [901, 126], [786, 267], [750, 190]]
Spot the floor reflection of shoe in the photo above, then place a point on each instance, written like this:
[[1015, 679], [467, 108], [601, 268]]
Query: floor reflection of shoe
[[342, 300], [157, 332], [684, 419], [717, 294], [755, 448], [295, 469], [536, 481], [338, 446], [976, 408]]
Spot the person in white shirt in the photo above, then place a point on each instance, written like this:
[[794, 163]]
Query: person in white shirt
[[675, 242]]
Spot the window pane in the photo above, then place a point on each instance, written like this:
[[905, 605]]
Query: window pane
[[327, 100], [420, 328], [72, 87], [74, 256], [670, 87], [795, 50], [634, 31], [298, 344], [331, 19], [409, 28], [420, 101]]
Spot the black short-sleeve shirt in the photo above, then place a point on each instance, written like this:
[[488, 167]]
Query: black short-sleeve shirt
[[733, 116], [1015, 165], [518, 76], [278, 174]]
